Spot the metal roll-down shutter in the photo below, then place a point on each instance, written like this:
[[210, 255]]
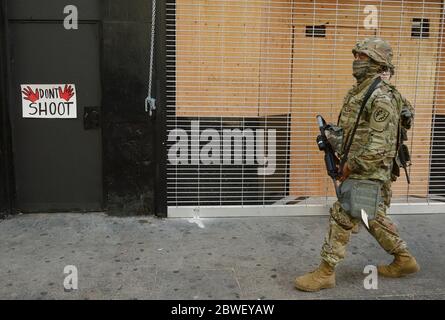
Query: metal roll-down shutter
[[246, 78]]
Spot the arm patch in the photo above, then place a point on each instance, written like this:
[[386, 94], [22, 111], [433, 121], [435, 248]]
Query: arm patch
[[380, 117]]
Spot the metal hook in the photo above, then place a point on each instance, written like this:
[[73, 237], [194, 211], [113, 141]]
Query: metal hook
[[150, 105]]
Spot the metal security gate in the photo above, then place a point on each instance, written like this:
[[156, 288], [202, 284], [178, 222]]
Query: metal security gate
[[246, 78]]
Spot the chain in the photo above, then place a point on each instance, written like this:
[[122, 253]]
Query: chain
[[150, 102]]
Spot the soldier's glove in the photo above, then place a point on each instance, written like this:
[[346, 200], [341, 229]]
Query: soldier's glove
[[322, 143], [335, 137], [406, 118]]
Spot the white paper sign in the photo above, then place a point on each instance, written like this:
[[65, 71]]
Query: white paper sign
[[50, 101]]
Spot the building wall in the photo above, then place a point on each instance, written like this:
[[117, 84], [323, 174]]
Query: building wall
[[252, 63], [128, 133]]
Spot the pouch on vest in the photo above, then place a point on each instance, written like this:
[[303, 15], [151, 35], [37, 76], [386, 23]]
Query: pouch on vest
[[356, 195]]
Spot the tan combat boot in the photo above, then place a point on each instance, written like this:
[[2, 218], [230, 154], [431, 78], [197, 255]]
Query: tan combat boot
[[404, 264], [321, 278]]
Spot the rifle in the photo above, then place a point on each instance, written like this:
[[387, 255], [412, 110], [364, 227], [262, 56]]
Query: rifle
[[404, 156], [330, 158]]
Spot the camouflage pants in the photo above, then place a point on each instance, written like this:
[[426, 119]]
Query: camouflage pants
[[341, 225]]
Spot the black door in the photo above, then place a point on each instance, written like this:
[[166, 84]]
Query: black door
[[58, 165]]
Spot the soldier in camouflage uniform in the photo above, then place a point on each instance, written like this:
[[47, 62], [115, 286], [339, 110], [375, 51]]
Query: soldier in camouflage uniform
[[371, 157], [406, 119]]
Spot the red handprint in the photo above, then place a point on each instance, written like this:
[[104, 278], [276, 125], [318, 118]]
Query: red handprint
[[67, 93], [31, 95]]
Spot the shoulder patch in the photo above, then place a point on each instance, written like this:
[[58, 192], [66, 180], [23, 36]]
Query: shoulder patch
[[380, 115]]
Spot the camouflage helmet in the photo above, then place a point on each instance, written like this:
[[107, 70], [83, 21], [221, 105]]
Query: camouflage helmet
[[377, 49]]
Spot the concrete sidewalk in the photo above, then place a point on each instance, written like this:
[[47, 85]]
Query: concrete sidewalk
[[251, 258]]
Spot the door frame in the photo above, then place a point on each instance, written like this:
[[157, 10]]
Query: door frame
[[6, 141]]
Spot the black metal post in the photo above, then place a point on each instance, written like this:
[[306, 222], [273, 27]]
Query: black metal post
[[161, 112]]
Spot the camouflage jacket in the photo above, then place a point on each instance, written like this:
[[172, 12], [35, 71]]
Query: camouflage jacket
[[376, 140]]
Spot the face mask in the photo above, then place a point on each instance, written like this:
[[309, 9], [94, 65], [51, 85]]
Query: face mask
[[360, 69]]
